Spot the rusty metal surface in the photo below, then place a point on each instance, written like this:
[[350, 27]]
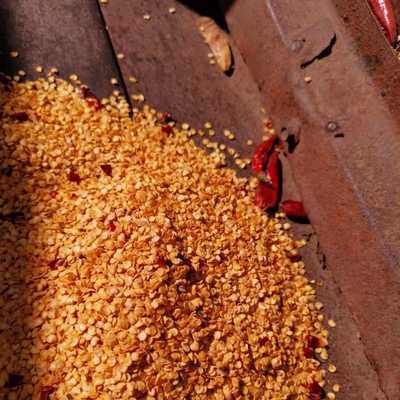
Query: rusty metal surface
[[346, 163], [61, 34]]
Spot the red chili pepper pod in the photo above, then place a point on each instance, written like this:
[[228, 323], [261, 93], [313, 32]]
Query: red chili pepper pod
[[383, 11], [266, 196], [262, 153], [294, 209]]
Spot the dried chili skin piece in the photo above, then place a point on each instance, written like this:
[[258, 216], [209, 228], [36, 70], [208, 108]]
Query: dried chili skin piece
[[107, 169], [315, 390], [91, 99], [261, 154], [383, 11], [166, 129], [112, 227], [266, 196], [58, 262], [309, 353], [46, 391], [314, 342], [294, 257], [294, 210], [54, 193], [5, 81], [74, 177]]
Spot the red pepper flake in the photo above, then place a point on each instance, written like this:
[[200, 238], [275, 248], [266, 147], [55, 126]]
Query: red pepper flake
[[20, 116], [54, 264], [314, 342], [74, 177], [46, 391], [37, 116], [91, 99], [106, 169], [309, 353], [112, 227], [54, 193], [166, 117], [294, 210], [167, 129], [12, 217], [314, 389], [14, 380], [263, 341], [294, 257], [161, 262]]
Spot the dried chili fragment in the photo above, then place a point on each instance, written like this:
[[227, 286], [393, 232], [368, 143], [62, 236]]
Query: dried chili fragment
[[294, 210], [167, 129], [12, 217], [74, 177], [263, 341], [262, 153], [54, 193], [91, 99], [166, 117], [112, 227], [107, 169], [14, 380], [46, 391], [294, 257], [20, 116], [54, 264], [314, 342], [309, 353], [315, 390]]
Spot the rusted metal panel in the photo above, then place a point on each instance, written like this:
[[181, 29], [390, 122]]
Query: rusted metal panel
[[348, 176], [62, 34]]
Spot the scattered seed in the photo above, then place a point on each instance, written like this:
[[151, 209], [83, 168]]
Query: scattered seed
[[185, 126], [249, 142], [39, 69], [307, 79], [319, 305], [331, 368], [331, 396], [21, 72], [211, 132], [73, 77], [54, 70], [331, 323], [120, 56], [16, 78], [212, 61], [133, 79], [231, 136], [14, 54], [336, 388], [114, 81], [146, 17], [172, 10]]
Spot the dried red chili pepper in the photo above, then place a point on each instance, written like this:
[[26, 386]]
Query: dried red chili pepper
[[263, 341], [54, 264], [107, 169], [12, 217], [91, 99], [46, 391], [294, 257], [74, 177], [262, 153], [54, 193], [309, 353], [294, 209], [383, 11], [166, 129], [14, 380], [20, 116], [266, 196]]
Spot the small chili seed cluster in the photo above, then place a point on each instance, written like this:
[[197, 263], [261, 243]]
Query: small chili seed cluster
[[135, 267]]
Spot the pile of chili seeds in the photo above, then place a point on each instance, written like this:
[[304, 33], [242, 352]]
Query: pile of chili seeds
[[133, 266]]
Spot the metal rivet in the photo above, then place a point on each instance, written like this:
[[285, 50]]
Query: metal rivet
[[331, 126]]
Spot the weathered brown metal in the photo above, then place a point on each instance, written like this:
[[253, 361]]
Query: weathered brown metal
[[346, 163]]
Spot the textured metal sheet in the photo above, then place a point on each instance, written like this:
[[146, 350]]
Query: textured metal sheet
[[62, 34], [349, 176]]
